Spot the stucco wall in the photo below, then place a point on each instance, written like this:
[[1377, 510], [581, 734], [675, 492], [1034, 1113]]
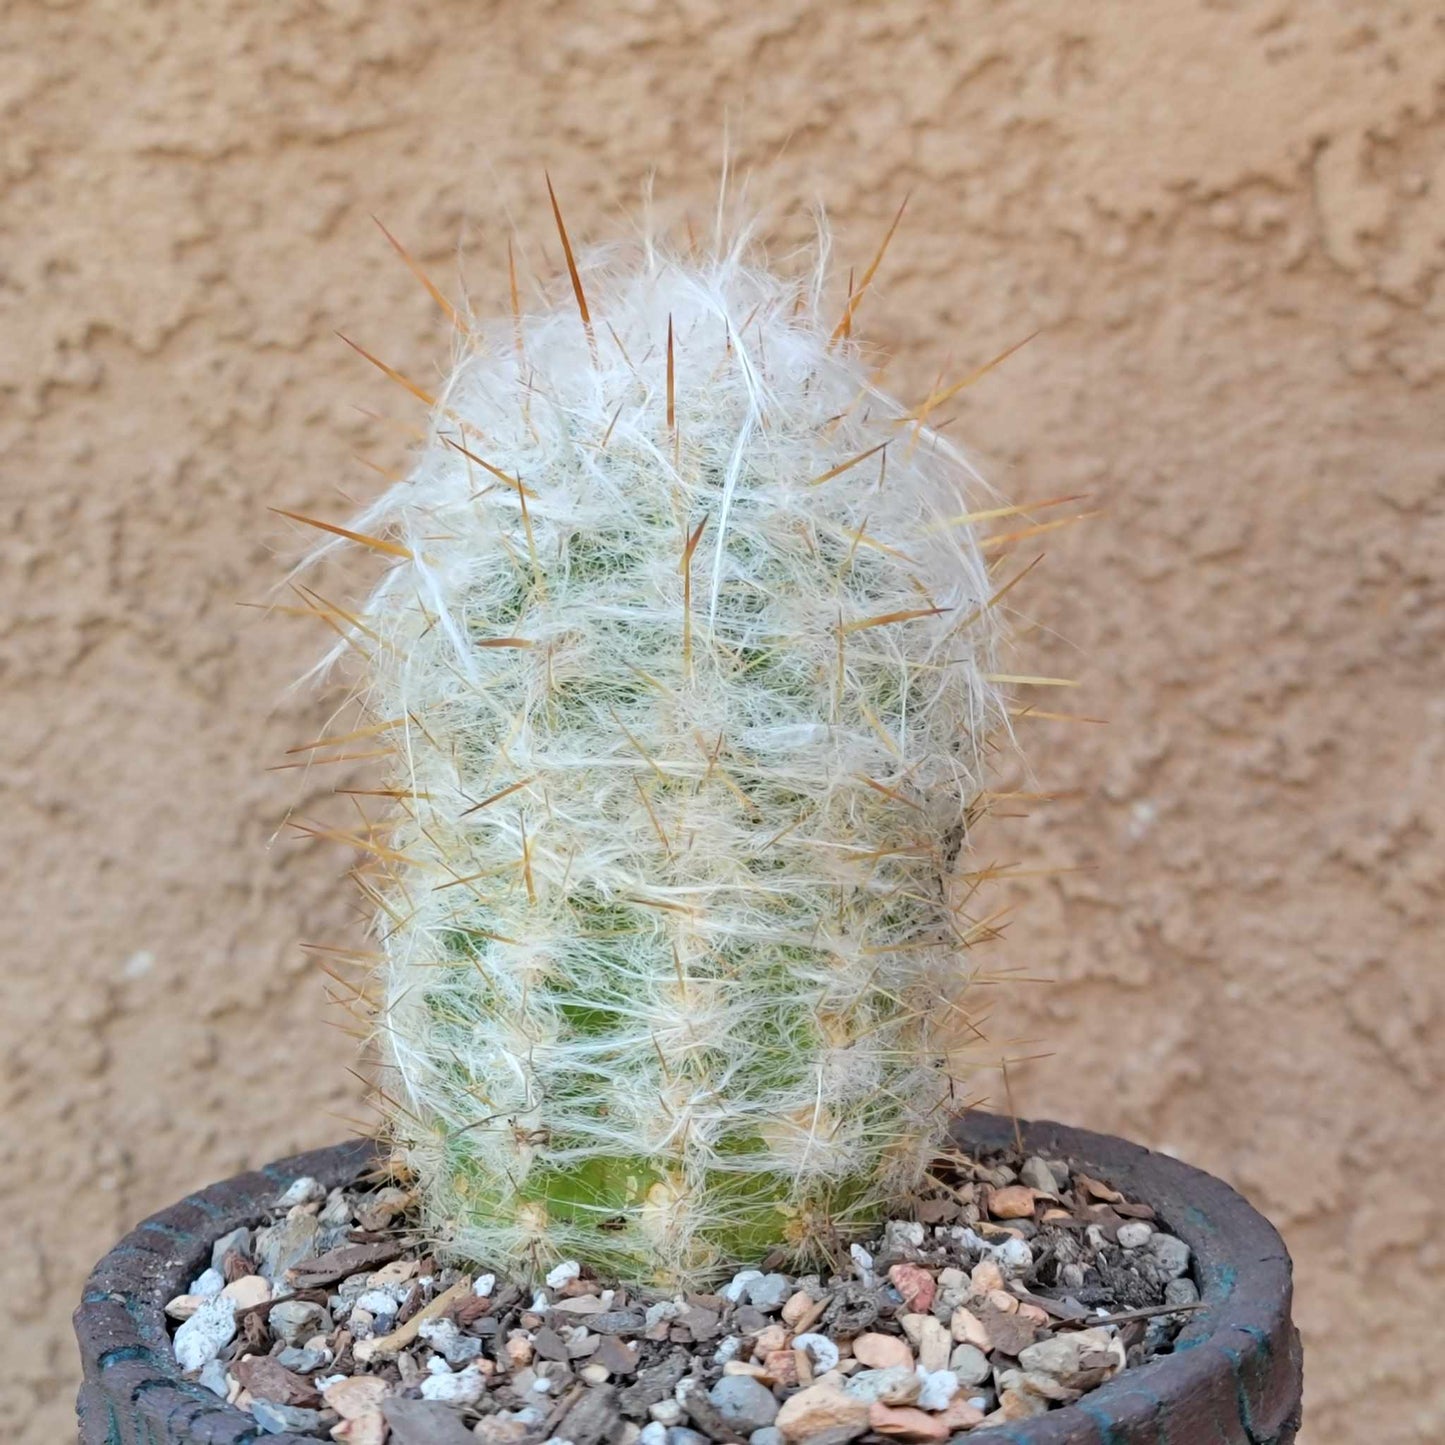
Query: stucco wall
[[1228, 217]]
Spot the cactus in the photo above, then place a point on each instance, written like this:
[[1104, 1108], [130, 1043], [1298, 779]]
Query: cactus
[[683, 656]]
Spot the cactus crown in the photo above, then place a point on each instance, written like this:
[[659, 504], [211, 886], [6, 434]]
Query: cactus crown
[[683, 656]]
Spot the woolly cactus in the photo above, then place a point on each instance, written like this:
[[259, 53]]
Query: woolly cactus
[[683, 656]]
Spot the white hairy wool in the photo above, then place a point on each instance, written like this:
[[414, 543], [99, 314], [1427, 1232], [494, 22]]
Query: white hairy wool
[[683, 650]]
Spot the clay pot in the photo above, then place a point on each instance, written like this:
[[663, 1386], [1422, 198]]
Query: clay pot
[[1233, 1379]]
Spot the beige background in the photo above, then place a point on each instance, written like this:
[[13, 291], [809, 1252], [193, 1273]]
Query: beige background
[[1229, 218]]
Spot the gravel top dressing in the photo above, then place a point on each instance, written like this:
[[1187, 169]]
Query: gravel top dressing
[[1017, 1286]]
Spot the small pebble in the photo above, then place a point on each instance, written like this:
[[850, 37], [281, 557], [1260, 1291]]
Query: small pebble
[[449, 1342], [1171, 1254], [213, 1377], [653, 1433], [200, 1339], [464, 1388], [768, 1292], [499, 1429], [970, 1364], [209, 1282], [881, 1352], [902, 1235], [360, 1395], [896, 1385], [302, 1361], [780, 1367], [1181, 1292], [286, 1243], [862, 1263], [965, 1325], [737, 1287], [999, 1176], [296, 1320], [929, 1337], [985, 1277], [768, 1435], [237, 1241], [1014, 1256], [304, 1190], [743, 1403], [1017, 1404], [336, 1213], [272, 1419], [249, 1290], [938, 1388], [485, 1284], [1134, 1235], [774, 1337], [915, 1284], [1014, 1201], [1038, 1176], [1058, 1356], [903, 1422], [818, 1408], [1063, 1358], [564, 1274], [953, 1290], [819, 1349]]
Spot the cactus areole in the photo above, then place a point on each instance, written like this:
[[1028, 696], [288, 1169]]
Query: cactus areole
[[683, 662]]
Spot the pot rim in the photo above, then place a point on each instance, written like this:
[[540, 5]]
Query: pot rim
[[1234, 1374]]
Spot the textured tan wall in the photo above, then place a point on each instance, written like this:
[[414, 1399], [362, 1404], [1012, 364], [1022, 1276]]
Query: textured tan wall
[[1229, 217]]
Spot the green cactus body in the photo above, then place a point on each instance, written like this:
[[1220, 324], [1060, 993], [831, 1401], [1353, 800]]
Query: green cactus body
[[685, 652]]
